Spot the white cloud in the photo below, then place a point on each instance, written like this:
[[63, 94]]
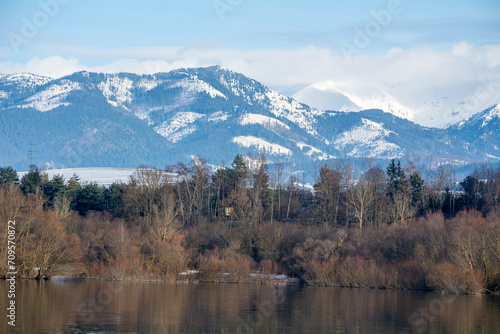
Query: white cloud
[[54, 66]]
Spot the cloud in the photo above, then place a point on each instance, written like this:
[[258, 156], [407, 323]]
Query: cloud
[[282, 67], [54, 66]]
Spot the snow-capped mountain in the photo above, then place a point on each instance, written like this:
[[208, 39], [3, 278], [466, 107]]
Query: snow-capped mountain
[[481, 132], [329, 95], [438, 107], [325, 96], [124, 120]]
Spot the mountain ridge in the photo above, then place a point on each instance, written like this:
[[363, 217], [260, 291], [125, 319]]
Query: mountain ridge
[[88, 119]]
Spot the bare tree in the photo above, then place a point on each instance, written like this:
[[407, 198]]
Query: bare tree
[[361, 198], [143, 191]]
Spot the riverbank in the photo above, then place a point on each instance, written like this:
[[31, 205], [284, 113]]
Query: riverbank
[[457, 255]]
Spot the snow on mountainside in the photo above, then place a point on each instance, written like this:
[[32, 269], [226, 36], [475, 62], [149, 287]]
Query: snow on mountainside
[[340, 98], [481, 132], [178, 126], [438, 107], [194, 85], [123, 120], [26, 79], [116, 90], [368, 140], [262, 145], [52, 96], [218, 116], [481, 119], [325, 96], [313, 152], [294, 111], [265, 121]]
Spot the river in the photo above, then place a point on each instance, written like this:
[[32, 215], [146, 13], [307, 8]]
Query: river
[[90, 306]]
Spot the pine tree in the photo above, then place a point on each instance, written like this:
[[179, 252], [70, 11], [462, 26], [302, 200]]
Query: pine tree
[[32, 182], [52, 189], [473, 197], [399, 194], [261, 194], [397, 178], [327, 193], [417, 188], [240, 169], [8, 175]]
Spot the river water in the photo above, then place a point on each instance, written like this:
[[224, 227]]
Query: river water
[[90, 306]]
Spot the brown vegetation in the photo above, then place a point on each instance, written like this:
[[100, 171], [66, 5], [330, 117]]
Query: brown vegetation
[[382, 230]]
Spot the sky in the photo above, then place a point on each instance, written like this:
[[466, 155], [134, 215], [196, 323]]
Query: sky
[[285, 44]]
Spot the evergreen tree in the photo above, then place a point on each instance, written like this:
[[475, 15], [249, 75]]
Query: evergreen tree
[[261, 194], [399, 194], [417, 188], [240, 169], [114, 199], [473, 197], [327, 194], [52, 189], [8, 175], [397, 178], [89, 198], [32, 182]]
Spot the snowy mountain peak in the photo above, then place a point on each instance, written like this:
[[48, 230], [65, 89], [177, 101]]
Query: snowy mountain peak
[[490, 115], [325, 96], [330, 95], [27, 79], [484, 117]]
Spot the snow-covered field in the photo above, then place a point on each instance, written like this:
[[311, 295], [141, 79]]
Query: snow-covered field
[[103, 176]]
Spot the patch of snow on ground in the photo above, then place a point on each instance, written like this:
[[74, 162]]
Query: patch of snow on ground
[[195, 85], [147, 84], [266, 122], [189, 272], [143, 114], [218, 116], [103, 176], [51, 97], [486, 117], [174, 129], [318, 154], [494, 113], [269, 276], [27, 79], [293, 111], [116, 90], [179, 135], [261, 144], [368, 140], [365, 133], [232, 85]]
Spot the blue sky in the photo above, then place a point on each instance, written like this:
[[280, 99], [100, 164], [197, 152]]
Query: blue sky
[[286, 44], [245, 24]]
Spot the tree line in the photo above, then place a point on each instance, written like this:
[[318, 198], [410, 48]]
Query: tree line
[[399, 227]]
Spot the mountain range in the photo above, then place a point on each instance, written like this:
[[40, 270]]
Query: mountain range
[[125, 120], [434, 107]]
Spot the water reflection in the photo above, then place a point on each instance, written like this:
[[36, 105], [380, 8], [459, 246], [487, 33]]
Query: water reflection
[[117, 307]]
